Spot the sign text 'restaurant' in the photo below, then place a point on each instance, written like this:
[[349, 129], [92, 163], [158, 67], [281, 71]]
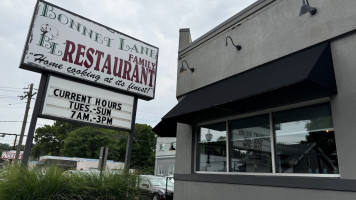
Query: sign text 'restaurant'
[[65, 43]]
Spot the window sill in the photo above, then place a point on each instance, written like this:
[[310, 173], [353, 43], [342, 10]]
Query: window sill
[[270, 174], [270, 180]]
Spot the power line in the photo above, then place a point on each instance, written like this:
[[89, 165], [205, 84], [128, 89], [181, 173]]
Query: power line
[[12, 107], [12, 104], [3, 96], [9, 98], [13, 121], [12, 88]]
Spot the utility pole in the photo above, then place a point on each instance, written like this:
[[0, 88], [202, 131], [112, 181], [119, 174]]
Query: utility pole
[[29, 96], [14, 143], [5, 134]]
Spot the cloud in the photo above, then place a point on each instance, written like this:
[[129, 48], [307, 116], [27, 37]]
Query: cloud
[[156, 22]]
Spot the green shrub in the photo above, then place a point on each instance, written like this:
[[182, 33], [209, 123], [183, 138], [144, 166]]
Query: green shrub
[[19, 183]]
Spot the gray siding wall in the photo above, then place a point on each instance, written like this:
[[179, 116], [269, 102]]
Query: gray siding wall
[[213, 191], [165, 163], [270, 33], [344, 116], [344, 103], [184, 154], [275, 31]]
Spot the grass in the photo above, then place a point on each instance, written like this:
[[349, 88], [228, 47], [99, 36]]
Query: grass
[[19, 183]]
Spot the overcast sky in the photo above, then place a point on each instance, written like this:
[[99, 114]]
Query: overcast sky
[[156, 22]]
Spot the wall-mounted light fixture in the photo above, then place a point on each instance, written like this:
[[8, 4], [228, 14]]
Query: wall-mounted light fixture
[[306, 8], [208, 136], [238, 47], [172, 148], [182, 69]]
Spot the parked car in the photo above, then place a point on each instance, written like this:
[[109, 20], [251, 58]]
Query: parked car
[[155, 188], [170, 178]]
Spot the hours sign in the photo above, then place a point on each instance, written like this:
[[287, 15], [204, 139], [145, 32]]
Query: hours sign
[[74, 101]]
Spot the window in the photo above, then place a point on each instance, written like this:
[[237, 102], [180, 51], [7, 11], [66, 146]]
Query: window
[[144, 182], [300, 141], [162, 147], [212, 148], [171, 170], [160, 170], [174, 145], [251, 145], [305, 141]]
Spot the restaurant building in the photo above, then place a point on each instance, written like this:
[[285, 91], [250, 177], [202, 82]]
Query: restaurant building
[[165, 156], [266, 104]]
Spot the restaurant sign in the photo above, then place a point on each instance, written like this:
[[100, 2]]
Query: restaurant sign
[[10, 155], [62, 42], [79, 102]]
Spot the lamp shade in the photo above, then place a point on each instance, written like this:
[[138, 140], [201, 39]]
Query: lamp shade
[[306, 8], [208, 136], [182, 69], [172, 148]]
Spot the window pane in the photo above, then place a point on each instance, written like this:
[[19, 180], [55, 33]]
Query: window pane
[[305, 141], [160, 170], [162, 147], [211, 148], [251, 145], [171, 170]]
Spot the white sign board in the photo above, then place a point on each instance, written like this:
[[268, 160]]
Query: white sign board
[[10, 155], [83, 103], [62, 42]]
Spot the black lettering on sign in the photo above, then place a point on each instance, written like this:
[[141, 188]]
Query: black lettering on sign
[[78, 106], [103, 111], [80, 115], [103, 120], [108, 104]]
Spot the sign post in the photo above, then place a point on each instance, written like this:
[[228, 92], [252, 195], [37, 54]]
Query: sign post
[[130, 137], [102, 159]]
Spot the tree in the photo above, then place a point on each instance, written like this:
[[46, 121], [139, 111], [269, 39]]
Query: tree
[[49, 140], [4, 147], [144, 149], [73, 140], [85, 142]]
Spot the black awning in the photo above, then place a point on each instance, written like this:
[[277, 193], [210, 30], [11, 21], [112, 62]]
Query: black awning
[[302, 76]]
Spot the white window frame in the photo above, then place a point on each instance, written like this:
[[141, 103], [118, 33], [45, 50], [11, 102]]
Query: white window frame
[[162, 147], [252, 114], [160, 171], [171, 170]]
